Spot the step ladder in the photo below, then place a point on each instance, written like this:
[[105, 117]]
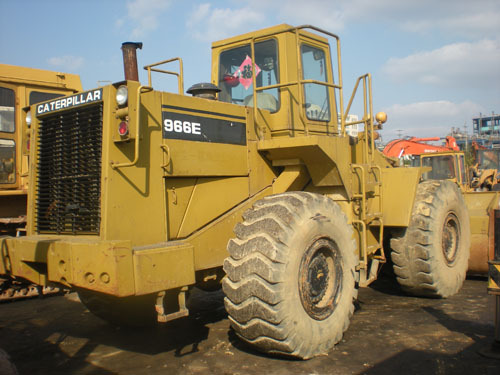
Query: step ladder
[[370, 187]]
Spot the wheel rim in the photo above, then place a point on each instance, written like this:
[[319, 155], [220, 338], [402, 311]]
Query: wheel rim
[[320, 279], [451, 236]]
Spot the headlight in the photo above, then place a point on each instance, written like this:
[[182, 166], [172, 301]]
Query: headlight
[[122, 95], [28, 118]]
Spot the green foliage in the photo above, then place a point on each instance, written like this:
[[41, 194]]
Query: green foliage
[[470, 158]]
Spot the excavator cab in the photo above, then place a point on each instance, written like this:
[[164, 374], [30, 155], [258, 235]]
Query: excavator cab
[[445, 166]]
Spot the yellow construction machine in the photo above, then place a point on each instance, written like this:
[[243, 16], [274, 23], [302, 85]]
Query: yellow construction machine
[[21, 87], [481, 203], [138, 195], [484, 173]]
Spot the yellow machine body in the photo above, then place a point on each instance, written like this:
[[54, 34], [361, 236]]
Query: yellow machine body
[[150, 208], [480, 204], [21, 87]]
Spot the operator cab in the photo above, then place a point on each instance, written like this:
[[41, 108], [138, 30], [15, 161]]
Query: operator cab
[[13, 97], [445, 166], [7, 137], [293, 78]]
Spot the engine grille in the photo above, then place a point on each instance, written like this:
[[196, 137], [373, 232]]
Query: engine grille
[[69, 171]]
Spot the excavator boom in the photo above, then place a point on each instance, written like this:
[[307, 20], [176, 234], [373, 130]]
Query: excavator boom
[[418, 146]]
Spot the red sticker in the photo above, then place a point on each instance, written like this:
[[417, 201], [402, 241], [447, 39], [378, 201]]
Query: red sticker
[[244, 72]]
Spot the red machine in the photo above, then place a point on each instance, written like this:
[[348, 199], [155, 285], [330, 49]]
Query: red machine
[[417, 146]]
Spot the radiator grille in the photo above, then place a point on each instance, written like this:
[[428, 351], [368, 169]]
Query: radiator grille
[[69, 171]]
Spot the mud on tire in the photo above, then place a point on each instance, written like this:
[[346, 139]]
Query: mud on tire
[[431, 257], [290, 277]]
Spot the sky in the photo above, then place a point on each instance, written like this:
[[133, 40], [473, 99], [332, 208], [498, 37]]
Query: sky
[[434, 64]]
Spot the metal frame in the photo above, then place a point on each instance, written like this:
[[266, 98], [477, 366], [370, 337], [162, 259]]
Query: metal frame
[[180, 75]]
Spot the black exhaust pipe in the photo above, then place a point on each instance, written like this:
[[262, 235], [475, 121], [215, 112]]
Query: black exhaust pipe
[[130, 60]]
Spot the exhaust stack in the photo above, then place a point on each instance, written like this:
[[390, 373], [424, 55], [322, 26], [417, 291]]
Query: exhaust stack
[[130, 60]]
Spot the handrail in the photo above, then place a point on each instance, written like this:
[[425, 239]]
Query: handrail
[[180, 75], [363, 218], [293, 83], [380, 201], [362, 194], [364, 249], [368, 112], [137, 130]]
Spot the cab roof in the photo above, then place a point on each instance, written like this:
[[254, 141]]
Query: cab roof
[[39, 77], [267, 31]]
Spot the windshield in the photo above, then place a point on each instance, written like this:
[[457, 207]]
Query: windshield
[[38, 96], [235, 75], [443, 167]]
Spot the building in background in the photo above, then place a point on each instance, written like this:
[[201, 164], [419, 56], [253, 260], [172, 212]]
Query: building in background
[[485, 132], [486, 126]]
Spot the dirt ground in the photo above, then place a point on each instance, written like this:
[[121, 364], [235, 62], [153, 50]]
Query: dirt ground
[[389, 334]]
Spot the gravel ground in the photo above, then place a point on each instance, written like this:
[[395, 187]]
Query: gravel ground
[[390, 333]]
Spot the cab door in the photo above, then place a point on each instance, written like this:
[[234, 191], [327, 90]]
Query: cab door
[[319, 96]]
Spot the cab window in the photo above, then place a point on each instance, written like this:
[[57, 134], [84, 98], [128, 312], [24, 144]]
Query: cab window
[[462, 169], [235, 75], [7, 161], [38, 96], [7, 102], [414, 161], [443, 167], [316, 96]]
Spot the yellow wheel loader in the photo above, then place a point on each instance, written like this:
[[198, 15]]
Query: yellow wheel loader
[[480, 203], [251, 181], [21, 87]]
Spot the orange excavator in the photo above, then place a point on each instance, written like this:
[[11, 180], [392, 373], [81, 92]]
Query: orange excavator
[[417, 146]]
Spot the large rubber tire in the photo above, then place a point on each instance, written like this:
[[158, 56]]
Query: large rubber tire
[[431, 257], [290, 283], [135, 311]]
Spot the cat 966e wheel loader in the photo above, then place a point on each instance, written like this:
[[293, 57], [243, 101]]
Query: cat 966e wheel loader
[[137, 195]]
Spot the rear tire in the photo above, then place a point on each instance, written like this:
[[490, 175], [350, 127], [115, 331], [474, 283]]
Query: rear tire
[[431, 257], [290, 281]]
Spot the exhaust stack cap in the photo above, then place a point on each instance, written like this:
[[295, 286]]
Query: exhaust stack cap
[[204, 90], [130, 60]]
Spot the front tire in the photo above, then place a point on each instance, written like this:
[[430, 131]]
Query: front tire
[[290, 281], [431, 257]]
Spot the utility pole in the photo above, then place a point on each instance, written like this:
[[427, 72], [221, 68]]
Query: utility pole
[[466, 137]]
